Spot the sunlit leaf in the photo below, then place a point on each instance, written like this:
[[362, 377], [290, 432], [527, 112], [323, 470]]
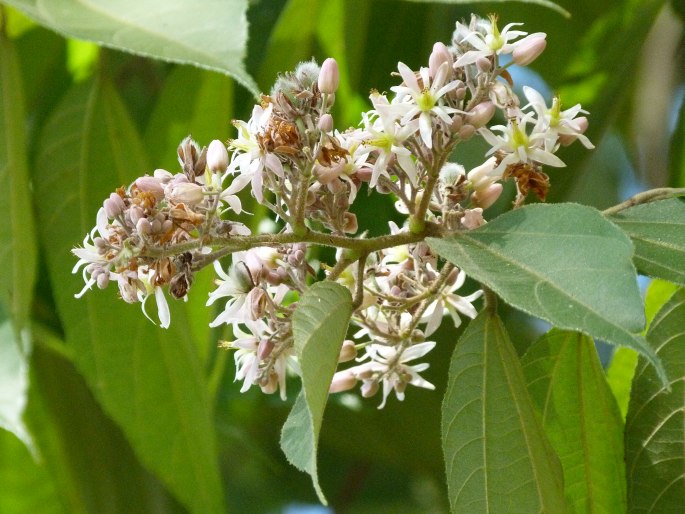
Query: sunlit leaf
[[655, 425], [581, 419], [319, 327], [658, 233], [149, 380], [211, 35], [497, 456], [14, 383], [564, 263], [17, 228]]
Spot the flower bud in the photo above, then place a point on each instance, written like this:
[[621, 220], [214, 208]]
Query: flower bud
[[257, 302], [481, 176], [466, 132], [483, 64], [163, 176], [364, 174], [326, 123], [217, 156], [486, 197], [481, 114], [269, 385], [152, 185], [529, 49], [581, 124], [369, 389], [143, 226], [102, 279], [348, 351], [350, 223], [264, 349], [155, 226], [473, 218], [457, 122], [329, 76], [114, 205], [439, 55], [342, 381], [187, 193]]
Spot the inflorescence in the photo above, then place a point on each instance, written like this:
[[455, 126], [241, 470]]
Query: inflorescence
[[163, 228]]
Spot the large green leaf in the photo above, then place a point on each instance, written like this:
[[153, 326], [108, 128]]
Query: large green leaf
[[658, 233], [497, 457], [88, 459], [319, 326], [17, 229], [655, 426], [581, 418], [14, 383], [149, 380], [564, 263], [211, 35]]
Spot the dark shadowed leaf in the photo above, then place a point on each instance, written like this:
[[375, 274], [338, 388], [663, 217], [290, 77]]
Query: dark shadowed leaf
[[17, 228], [581, 419], [655, 425], [564, 263], [497, 457], [148, 379], [319, 327]]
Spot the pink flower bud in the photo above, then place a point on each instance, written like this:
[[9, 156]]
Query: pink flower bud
[[481, 114], [114, 205], [473, 218], [483, 64], [264, 349], [143, 226], [529, 49], [217, 156], [486, 197], [439, 55], [466, 132], [581, 124], [481, 176], [326, 123], [187, 193], [257, 302], [369, 389], [348, 351], [457, 122], [152, 185], [329, 76], [342, 381]]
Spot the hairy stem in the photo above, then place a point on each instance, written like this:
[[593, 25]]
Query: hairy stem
[[652, 195]]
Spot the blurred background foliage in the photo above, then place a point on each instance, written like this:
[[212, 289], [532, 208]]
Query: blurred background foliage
[[119, 418]]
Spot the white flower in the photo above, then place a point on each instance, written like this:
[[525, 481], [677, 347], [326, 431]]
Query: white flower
[[449, 302], [555, 121], [491, 41], [235, 285], [387, 138], [250, 158], [388, 364], [424, 100], [518, 145]]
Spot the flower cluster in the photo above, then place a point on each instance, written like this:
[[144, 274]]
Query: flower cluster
[[163, 228]]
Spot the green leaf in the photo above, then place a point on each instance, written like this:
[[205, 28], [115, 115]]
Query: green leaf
[[26, 486], [564, 263], [14, 383], [212, 35], [581, 418], [497, 457], [620, 376], [319, 326], [147, 379], [655, 426], [658, 233], [17, 229], [544, 3]]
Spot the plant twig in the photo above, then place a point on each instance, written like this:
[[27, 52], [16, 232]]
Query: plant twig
[[652, 195]]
